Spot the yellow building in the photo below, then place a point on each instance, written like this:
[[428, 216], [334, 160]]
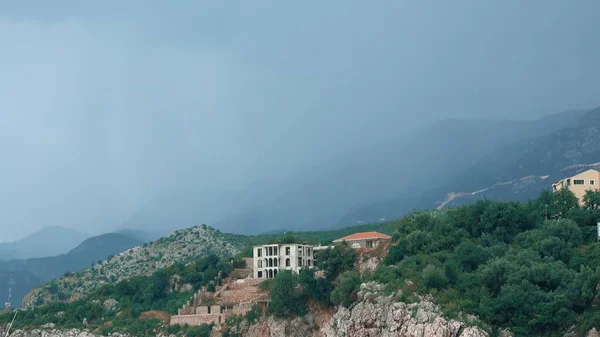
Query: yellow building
[[579, 183]]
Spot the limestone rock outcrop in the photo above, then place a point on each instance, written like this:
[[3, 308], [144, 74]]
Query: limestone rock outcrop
[[377, 314]]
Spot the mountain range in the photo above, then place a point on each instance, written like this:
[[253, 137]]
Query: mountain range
[[373, 184], [22, 275], [518, 171], [48, 241]]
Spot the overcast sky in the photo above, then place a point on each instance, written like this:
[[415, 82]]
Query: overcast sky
[[104, 104]]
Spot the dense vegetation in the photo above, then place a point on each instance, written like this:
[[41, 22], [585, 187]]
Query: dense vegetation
[[315, 237], [135, 296], [291, 293], [532, 267]]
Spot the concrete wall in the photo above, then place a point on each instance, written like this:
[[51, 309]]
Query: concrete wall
[[365, 243], [195, 320], [591, 181], [299, 256], [359, 244], [216, 314]]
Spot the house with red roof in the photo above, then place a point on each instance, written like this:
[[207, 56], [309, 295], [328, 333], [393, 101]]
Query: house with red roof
[[364, 240]]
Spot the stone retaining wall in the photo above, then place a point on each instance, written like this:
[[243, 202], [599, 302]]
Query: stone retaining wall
[[195, 320]]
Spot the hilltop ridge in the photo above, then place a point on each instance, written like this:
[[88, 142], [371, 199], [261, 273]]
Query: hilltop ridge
[[180, 246], [517, 171], [48, 241], [44, 269]]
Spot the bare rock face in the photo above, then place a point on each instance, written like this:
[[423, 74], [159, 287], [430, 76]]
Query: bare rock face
[[593, 333], [50, 332], [505, 333], [277, 327], [110, 304], [378, 315]]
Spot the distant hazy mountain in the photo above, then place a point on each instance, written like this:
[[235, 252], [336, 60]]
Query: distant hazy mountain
[[19, 282], [90, 251], [403, 167], [517, 171], [521, 170], [143, 236], [49, 241]]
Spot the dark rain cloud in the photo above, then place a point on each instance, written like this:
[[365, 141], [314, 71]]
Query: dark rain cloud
[[105, 106]]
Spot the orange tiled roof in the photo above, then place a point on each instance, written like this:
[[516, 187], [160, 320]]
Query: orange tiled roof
[[364, 236]]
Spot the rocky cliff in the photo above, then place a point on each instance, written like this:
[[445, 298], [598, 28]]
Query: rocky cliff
[[50, 331], [376, 314]]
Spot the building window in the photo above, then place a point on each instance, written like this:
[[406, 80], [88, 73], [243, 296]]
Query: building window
[[299, 262], [308, 251], [259, 252], [259, 264], [308, 263], [578, 182], [275, 262], [260, 274], [275, 251], [287, 262], [299, 251], [287, 250], [592, 182]]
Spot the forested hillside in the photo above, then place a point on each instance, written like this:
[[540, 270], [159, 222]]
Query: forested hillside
[[531, 267], [121, 307], [178, 247]]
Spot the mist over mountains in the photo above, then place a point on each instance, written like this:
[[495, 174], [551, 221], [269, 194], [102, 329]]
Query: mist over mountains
[[48, 241], [517, 171], [380, 182], [467, 160], [125, 115], [22, 275]]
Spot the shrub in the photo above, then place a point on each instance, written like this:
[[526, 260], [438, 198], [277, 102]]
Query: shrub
[[434, 277], [254, 314], [286, 299], [347, 287]]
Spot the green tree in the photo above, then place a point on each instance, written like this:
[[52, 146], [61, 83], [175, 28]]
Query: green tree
[[564, 201], [471, 255], [565, 229], [335, 261], [591, 200], [286, 299], [434, 277], [157, 286], [254, 314], [346, 289], [505, 219]]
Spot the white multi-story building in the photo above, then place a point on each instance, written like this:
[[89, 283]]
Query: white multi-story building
[[269, 259]]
